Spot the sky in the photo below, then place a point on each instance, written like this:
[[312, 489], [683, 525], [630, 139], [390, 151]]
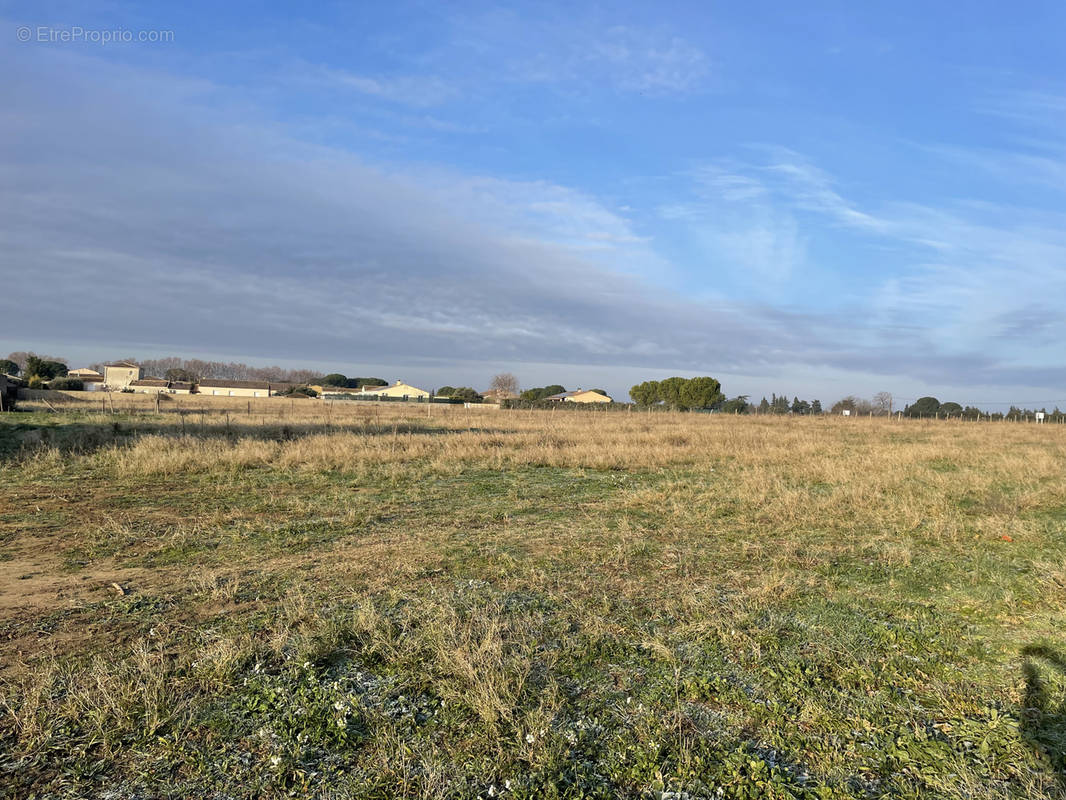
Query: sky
[[814, 199]]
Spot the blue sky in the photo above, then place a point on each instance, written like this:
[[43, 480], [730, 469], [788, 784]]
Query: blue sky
[[819, 199]]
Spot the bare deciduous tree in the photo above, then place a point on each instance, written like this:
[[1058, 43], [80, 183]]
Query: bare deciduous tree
[[20, 357], [883, 403], [504, 383]]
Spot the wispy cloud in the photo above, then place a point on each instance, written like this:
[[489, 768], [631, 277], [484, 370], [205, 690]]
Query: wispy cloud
[[583, 52], [812, 189], [412, 90], [966, 278], [644, 61]]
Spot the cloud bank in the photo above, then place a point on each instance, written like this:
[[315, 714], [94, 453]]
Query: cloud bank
[[136, 209]]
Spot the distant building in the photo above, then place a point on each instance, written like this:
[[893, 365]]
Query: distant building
[[150, 386], [496, 395], [400, 390], [223, 388], [91, 380], [327, 392], [121, 374], [579, 396]]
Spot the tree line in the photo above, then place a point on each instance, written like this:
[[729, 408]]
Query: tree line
[[337, 379], [192, 370], [39, 371]]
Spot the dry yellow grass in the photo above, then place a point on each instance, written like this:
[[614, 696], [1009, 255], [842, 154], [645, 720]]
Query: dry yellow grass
[[562, 585]]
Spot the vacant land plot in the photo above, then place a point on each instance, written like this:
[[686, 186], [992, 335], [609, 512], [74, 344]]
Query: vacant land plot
[[292, 599]]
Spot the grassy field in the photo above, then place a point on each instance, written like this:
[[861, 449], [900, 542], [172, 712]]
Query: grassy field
[[391, 601]]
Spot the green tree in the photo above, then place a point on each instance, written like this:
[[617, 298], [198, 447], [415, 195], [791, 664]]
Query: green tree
[[645, 394], [736, 405], [539, 393], [800, 406], [702, 392], [816, 406], [466, 394], [764, 406], [779, 404], [445, 391], [335, 379], [9, 366], [45, 370], [670, 392], [922, 407], [950, 410], [359, 383]]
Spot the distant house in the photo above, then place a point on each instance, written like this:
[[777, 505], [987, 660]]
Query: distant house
[[579, 396], [181, 387], [91, 380], [223, 388], [150, 386], [121, 374], [327, 392], [400, 390], [496, 395]]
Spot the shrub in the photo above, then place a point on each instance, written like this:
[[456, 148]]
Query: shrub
[[466, 394], [299, 391], [67, 384]]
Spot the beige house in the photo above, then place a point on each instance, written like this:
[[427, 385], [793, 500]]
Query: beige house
[[400, 390], [83, 373], [580, 396], [121, 374], [221, 388]]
